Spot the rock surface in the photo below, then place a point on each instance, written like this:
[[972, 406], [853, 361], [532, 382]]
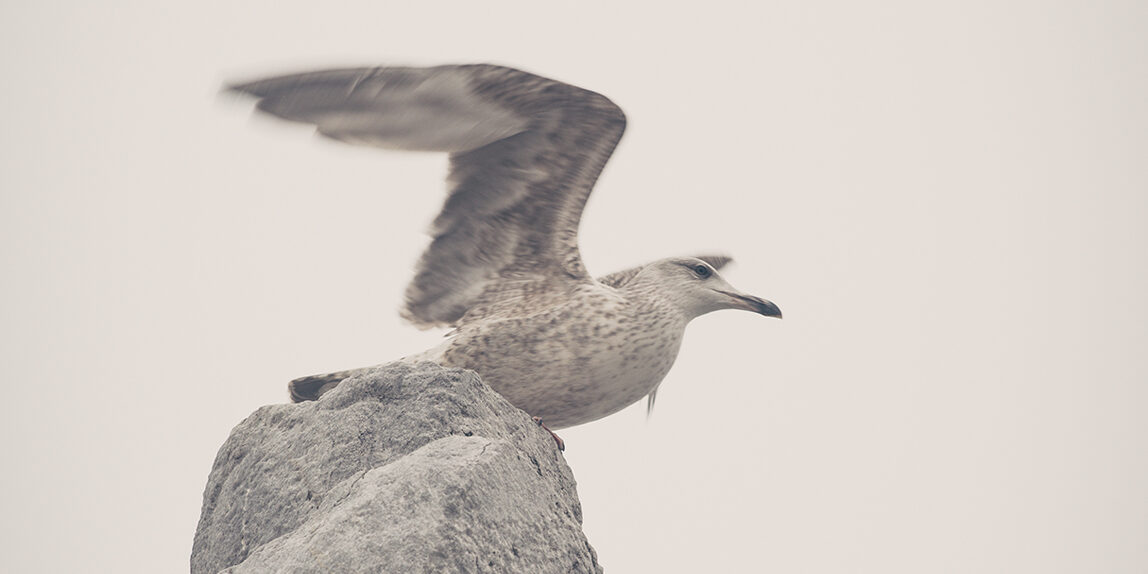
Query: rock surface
[[407, 468]]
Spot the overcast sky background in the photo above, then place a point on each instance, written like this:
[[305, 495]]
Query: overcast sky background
[[948, 202]]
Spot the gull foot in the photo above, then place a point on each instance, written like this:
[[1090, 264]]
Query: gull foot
[[557, 439]]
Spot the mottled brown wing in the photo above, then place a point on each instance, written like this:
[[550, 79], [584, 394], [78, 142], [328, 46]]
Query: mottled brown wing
[[525, 152]]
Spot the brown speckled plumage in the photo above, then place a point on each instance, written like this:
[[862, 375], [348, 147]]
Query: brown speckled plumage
[[503, 267]]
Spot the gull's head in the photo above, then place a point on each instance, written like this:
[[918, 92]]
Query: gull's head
[[695, 287]]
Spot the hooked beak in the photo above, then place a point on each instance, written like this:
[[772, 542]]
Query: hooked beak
[[755, 304]]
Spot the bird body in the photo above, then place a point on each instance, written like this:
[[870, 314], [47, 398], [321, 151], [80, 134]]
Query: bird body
[[578, 361], [503, 268]]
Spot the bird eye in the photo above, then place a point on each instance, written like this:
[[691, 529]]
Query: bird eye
[[702, 271]]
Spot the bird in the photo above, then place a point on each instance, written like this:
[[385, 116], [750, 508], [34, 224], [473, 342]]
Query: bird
[[503, 270]]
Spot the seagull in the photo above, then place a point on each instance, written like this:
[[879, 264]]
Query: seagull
[[503, 269]]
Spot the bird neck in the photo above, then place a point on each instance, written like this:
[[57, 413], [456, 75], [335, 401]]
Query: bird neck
[[648, 296]]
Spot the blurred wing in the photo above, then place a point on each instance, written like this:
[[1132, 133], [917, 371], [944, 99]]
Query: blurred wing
[[620, 278], [525, 152]]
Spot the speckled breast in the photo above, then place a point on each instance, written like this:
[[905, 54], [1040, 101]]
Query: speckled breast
[[574, 363]]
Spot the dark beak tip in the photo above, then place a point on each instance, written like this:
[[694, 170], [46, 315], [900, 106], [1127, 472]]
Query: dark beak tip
[[769, 309], [756, 304]]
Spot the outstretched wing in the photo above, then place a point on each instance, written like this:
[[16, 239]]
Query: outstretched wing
[[525, 152]]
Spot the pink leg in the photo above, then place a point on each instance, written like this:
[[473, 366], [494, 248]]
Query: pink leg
[[557, 439]]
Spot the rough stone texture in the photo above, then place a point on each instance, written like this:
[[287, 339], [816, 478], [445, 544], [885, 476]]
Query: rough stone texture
[[407, 468]]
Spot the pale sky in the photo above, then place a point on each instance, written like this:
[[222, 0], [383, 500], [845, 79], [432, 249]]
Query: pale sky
[[948, 202]]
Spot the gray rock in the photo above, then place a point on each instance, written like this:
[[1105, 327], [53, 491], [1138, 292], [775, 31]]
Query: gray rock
[[407, 468]]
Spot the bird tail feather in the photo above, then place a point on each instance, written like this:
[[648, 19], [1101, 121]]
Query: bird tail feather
[[312, 387]]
